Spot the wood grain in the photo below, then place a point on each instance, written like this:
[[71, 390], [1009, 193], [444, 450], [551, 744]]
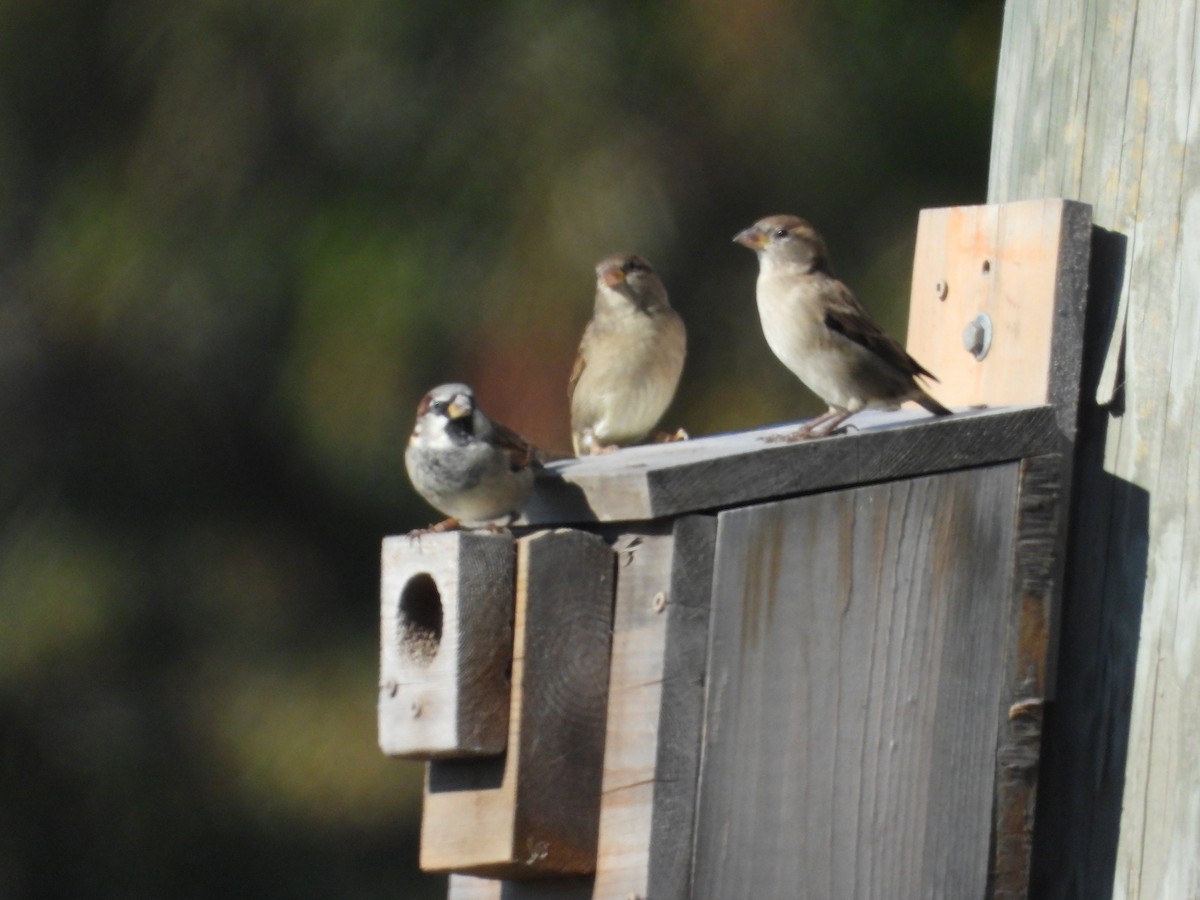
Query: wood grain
[[703, 474], [446, 605], [468, 887], [855, 674], [1025, 266], [535, 810], [1100, 101], [655, 710]]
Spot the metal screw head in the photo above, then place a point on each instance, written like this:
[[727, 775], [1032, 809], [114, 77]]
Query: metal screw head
[[660, 602], [977, 336]]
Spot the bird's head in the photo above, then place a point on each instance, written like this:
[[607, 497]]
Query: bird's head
[[448, 410], [627, 278], [786, 242]]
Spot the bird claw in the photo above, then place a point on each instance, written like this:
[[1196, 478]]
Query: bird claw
[[666, 437], [804, 433], [827, 425], [451, 524]]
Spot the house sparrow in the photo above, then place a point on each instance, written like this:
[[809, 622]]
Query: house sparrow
[[820, 330], [629, 360], [469, 468]]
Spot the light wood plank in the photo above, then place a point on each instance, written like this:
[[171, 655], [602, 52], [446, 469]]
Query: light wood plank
[[855, 673], [1100, 100], [468, 887], [535, 810], [446, 605], [1023, 265], [640, 483]]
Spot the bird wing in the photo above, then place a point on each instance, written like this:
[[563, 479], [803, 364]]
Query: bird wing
[[845, 314], [576, 373], [519, 451]]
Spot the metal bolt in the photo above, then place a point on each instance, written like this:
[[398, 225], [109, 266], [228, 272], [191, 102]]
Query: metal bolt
[[977, 336], [942, 290], [660, 602]]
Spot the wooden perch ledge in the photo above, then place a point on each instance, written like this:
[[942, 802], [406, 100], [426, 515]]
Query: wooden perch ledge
[[725, 470]]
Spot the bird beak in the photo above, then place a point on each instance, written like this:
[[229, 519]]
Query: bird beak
[[613, 276], [751, 237], [459, 408]]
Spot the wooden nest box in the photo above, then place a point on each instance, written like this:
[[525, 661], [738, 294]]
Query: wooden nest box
[[731, 668]]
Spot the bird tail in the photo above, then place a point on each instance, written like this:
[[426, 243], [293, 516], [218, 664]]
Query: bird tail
[[932, 405]]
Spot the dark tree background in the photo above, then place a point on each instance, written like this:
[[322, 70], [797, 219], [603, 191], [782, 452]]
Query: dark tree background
[[238, 240]]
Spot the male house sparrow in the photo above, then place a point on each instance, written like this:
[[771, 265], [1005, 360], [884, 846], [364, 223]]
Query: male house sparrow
[[469, 468], [820, 330], [629, 360]]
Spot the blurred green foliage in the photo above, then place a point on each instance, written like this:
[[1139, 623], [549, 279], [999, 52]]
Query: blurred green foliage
[[239, 238]]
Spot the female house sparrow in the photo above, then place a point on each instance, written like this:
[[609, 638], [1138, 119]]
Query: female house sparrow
[[473, 470], [629, 360], [820, 330]]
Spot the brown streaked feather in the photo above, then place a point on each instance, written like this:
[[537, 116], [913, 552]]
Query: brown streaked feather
[[846, 315], [520, 452], [576, 373]]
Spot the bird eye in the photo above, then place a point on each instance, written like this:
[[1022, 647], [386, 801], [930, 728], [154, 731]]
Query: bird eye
[[781, 233]]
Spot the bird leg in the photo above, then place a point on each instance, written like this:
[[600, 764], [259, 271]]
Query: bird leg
[[831, 423]]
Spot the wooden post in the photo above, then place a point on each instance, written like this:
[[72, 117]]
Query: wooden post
[[1099, 100]]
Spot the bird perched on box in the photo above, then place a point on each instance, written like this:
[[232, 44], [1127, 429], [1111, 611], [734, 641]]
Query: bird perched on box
[[630, 358], [468, 467], [820, 330]]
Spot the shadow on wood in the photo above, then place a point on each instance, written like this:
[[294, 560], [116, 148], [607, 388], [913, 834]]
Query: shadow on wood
[[1087, 729]]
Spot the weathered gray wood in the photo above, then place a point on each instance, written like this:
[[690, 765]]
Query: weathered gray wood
[[681, 716], [1100, 100], [655, 709], [1031, 640], [535, 810], [446, 605], [721, 471], [855, 673]]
